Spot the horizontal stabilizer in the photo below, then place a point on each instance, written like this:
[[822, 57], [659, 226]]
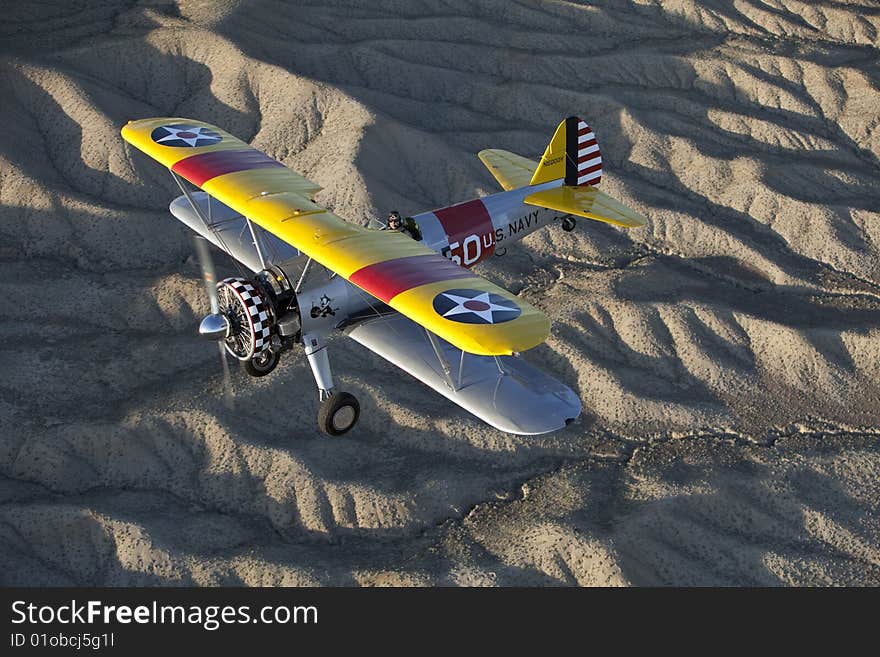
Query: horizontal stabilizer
[[510, 170], [587, 202]]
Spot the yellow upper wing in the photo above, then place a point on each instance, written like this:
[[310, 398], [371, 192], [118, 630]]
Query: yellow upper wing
[[411, 278], [510, 170]]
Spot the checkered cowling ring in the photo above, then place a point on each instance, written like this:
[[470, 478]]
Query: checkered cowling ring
[[250, 318]]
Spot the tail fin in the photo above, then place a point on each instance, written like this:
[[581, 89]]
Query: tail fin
[[572, 154]]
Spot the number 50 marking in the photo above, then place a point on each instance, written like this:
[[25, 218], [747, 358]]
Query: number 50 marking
[[471, 251]]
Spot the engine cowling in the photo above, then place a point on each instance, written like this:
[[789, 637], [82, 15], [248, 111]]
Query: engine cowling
[[253, 310], [250, 317]]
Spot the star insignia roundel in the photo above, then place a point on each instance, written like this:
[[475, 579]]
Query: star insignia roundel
[[181, 134], [475, 307]]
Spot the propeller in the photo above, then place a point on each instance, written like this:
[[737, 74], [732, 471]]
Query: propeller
[[216, 325]]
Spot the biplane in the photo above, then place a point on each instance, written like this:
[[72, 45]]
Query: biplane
[[308, 274]]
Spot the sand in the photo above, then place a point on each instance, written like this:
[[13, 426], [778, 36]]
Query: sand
[[727, 355]]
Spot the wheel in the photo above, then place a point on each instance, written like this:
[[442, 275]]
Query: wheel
[[338, 413], [568, 223], [263, 363]]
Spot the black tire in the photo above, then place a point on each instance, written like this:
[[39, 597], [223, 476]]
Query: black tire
[[568, 224], [263, 363], [338, 413]]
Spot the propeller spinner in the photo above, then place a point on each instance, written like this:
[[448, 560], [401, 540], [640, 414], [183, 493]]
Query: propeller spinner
[[215, 326]]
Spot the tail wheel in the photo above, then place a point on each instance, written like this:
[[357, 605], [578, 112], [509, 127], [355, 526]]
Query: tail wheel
[[248, 315], [263, 363], [338, 413], [568, 223]]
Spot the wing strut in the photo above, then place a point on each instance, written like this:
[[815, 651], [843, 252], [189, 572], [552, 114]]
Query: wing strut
[[209, 226], [460, 368], [254, 237], [302, 276], [195, 206], [443, 362]]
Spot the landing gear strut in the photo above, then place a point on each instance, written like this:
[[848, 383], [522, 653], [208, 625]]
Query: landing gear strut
[[339, 411], [568, 223]]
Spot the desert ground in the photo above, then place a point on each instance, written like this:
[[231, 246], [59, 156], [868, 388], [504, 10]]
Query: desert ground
[[727, 354]]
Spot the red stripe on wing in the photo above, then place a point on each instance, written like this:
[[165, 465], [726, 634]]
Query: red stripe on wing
[[199, 169], [385, 280]]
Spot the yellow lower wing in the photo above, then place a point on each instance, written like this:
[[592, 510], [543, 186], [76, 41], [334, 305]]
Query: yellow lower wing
[[462, 308]]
